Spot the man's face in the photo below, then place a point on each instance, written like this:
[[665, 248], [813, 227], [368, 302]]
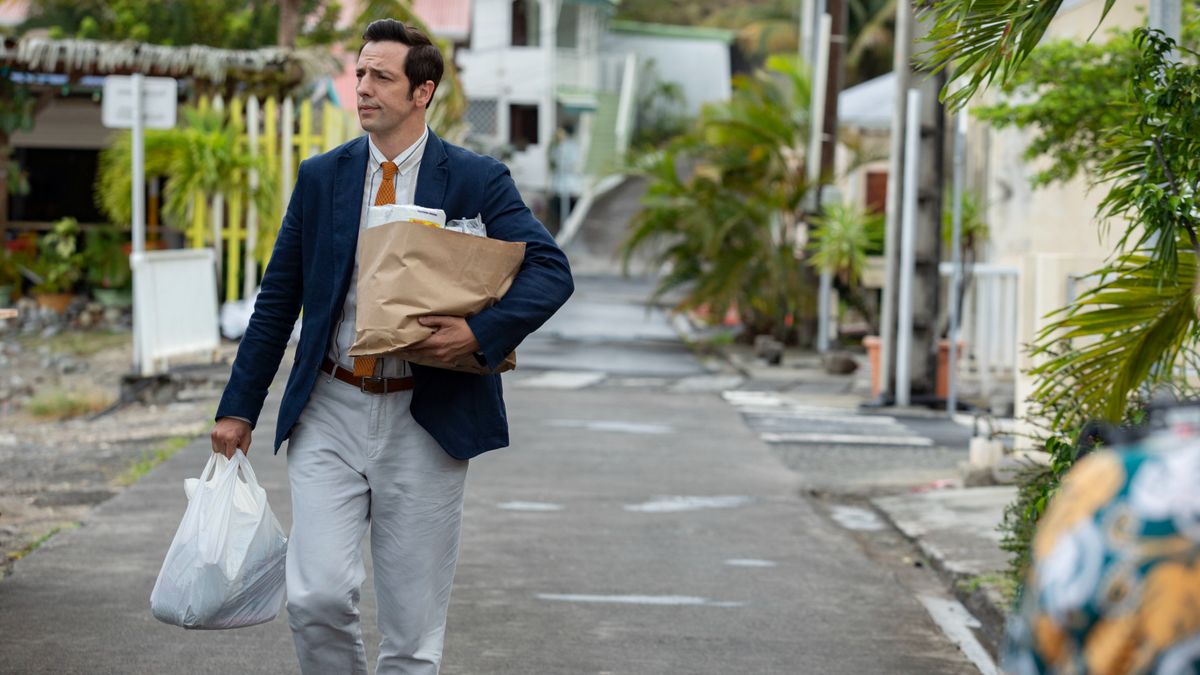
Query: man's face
[[384, 103]]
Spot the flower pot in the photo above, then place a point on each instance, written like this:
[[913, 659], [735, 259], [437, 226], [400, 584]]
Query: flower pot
[[873, 344], [55, 302], [943, 367], [119, 298]]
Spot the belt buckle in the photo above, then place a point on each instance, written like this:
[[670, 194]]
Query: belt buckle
[[362, 384]]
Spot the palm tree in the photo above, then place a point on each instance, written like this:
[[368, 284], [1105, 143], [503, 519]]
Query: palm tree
[[724, 205]]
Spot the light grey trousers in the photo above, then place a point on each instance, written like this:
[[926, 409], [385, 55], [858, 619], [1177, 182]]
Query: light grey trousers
[[356, 459]]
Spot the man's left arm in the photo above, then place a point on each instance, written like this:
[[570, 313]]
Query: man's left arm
[[543, 283]]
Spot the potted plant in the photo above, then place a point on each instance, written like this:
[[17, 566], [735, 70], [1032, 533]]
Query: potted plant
[[58, 266], [108, 270]]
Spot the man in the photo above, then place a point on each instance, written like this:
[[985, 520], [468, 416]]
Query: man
[[390, 445]]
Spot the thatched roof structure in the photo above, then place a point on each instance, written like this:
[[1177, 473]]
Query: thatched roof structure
[[283, 68]]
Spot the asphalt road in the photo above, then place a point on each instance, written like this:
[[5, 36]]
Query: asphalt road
[[636, 529]]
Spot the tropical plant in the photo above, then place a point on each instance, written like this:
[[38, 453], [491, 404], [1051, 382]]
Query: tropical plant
[[769, 27], [205, 156], [230, 24], [10, 270], [845, 235], [59, 262], [661, 112], [723, 212], [977, 41], [975, 231], [105, 258], [1102, 355]]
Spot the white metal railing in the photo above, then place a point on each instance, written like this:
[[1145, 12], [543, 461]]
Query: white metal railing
[[988, 327]]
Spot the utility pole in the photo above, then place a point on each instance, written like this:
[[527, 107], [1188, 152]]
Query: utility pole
[[826, 140], [924, 293], [835, 78]]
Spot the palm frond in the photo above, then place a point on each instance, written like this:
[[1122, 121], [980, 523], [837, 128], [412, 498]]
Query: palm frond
[[981, 40]]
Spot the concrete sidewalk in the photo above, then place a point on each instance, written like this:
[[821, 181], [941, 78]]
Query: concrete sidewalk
[[81, 602], [955, 528]]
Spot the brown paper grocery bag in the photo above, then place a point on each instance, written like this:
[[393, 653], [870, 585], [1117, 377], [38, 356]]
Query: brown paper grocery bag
[[407, 271]]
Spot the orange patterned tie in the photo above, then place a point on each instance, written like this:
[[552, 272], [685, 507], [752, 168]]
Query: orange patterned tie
[[364, 366]]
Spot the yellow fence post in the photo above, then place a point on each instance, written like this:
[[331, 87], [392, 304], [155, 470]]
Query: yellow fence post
[[270, 220], [197, 234], [234, 234], [304, 151]]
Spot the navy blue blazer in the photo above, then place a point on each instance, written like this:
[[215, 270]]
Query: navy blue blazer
[[311, 267]]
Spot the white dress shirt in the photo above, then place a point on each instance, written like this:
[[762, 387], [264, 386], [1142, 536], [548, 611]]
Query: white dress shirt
[[408, 164]]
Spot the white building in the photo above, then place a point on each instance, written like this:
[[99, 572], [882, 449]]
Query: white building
[[534, 74]]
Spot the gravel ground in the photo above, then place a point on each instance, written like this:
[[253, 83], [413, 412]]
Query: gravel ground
[[56, 470]]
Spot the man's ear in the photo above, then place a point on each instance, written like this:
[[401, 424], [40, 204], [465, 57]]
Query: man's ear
[[424, 93]]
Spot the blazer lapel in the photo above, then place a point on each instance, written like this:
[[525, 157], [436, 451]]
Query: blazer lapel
[[348, 181], [431, 180]]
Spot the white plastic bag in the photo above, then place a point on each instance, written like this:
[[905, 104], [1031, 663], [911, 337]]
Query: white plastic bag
[[225, 567]]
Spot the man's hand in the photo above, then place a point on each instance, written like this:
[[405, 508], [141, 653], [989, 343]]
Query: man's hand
[[229, 434], [452, 338]]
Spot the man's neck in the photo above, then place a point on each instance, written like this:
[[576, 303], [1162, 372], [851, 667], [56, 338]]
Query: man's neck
[[397, 142]]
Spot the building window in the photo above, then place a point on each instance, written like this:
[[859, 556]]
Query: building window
[[522, 125], [481, 116], [525, 23]]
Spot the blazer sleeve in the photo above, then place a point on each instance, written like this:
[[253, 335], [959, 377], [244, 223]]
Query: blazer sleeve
[[543, 283], [275, 310]]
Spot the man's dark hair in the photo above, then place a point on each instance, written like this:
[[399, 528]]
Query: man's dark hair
[[424, 60]]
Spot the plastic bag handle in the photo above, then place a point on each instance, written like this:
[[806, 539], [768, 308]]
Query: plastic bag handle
[[244, 464]]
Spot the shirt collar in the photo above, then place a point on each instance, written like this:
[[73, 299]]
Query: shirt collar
[[406, 161]]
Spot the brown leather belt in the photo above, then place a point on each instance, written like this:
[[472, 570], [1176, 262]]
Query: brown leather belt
[[371, 385]]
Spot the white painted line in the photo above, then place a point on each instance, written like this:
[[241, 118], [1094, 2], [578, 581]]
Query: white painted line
[[846, 439], [616, 426], [677, 504], [529, 506], [661, 600], [856, 518], [956, 623], [859, 420], [749, 562], [562, 379]]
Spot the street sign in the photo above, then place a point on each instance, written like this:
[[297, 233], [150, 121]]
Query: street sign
[[159, 98], [136, 102]]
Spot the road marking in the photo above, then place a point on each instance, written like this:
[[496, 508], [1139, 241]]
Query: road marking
[[529, 506], [749, 562], [845, 439], [676, 504], [832, 418], [956, 623], [562, 379], [661, 600], [856, 518], [616, 426]]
